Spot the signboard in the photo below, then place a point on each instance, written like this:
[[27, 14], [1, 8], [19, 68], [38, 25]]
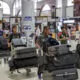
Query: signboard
[[27, 27], [28, 18]]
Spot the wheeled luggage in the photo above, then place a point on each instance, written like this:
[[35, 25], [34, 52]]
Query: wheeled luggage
[[22, 56], [58, 50], [18, 43], [62, 74]]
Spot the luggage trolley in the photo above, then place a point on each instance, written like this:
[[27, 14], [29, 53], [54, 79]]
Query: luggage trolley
[[22, 57], [60, 64]]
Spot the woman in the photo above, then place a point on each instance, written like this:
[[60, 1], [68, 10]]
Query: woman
[[45, 40]]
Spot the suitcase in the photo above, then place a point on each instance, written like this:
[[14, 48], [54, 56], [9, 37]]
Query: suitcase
[[23, 58], [25, 53], [64, 74], [65, 60], [58, 50], [18, 42], [18, 63]]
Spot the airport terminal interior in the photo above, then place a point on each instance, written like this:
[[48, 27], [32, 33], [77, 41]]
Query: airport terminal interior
[[39, 39]]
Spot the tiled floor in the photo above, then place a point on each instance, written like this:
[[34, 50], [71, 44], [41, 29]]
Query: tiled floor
[[5, 74]]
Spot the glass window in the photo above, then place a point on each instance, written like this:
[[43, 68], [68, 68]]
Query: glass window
[[46, 8], [20, 13], [16, 7], [5, 6], [69, 3], [58, 3]]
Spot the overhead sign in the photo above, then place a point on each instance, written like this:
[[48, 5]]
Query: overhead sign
[[28, 18]]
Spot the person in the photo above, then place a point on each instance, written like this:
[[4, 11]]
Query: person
[[4, 38], [13, 35], [37, 31], [63, 36], [45, 38]]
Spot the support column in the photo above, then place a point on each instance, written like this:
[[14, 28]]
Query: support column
[[11, 14], [28, 20], [64, 4]]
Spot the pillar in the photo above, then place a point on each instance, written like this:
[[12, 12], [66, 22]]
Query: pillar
[[11, 14], [28, 20], [64, 4]]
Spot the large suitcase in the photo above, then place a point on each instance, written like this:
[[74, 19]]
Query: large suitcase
[[65, 60], [64, 74], [22, 58], [18, 42], [24, 52], [58, 50]]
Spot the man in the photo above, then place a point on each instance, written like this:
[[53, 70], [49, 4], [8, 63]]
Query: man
[[14, 34], [63, 36]]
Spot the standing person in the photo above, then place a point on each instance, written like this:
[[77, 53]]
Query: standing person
[[46, 36], [37, 34], [37, 31], [14, 34], [63, 36]]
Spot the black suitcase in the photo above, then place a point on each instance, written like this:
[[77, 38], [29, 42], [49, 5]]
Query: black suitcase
[[25, 62], [58, 50], [18, 63], [26, 53], [64, 74], [26, 57], [65, 60]]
